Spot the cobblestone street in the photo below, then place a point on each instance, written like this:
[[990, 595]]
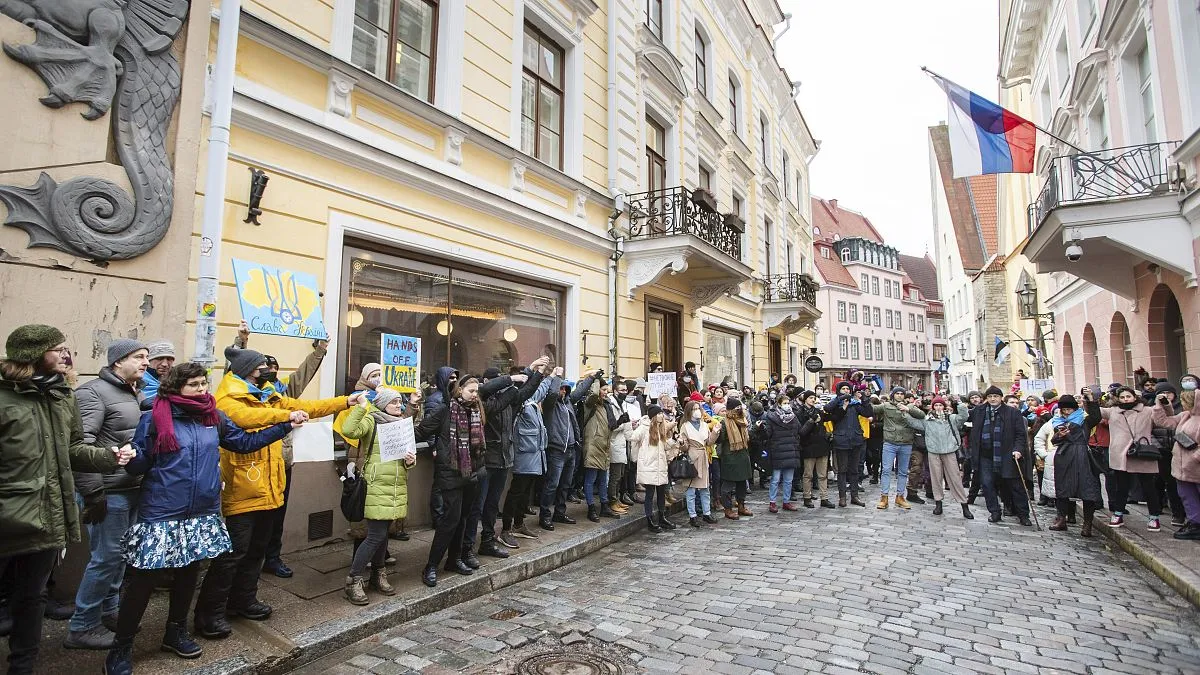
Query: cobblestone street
[[832, 591]]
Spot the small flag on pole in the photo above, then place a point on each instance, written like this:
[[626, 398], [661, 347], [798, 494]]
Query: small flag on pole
[[985, 138], [1002, 351], [1036, 354]]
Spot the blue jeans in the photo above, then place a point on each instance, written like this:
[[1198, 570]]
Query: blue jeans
[[705, 501], [595, 479], [901, 456], [100, 588], [785, 476], [560, 469]]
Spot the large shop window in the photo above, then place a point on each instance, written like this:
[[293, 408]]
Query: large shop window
[[722, 355], [466, 320]]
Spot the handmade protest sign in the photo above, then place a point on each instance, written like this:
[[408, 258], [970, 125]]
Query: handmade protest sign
[[658, 384], [400, 358], [276, 301], [396, 440]]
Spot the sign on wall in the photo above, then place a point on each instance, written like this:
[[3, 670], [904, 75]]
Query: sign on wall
[[279, 302], [400, 358]]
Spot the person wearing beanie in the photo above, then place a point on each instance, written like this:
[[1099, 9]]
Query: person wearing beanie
[[848, 414], [897, 447], [814, 450], [733, 451], [687, 383], [654, 434], [1130, 424], [387, 490], [563, 441], [943, 429], [40, 419], [1185, 461], [1074, 476], [530, 439], [999, 449], [253, 492], [162, 358], [110, 408]]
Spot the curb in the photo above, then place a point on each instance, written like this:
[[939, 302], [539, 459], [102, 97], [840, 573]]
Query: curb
[[326, 638], [1162, 570]]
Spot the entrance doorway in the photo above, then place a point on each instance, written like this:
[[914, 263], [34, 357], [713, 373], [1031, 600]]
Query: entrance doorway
[[775, 357], [664, 342], [1167, 337]]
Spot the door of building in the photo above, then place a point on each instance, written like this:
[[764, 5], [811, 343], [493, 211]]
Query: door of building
[[664, 342], [775, 356]]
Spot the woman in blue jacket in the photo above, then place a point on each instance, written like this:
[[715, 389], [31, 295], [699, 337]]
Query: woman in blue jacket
[[179, 522]]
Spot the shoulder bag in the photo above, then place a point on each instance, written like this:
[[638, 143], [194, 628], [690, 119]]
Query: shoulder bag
[[1186, 442], [681, 467], [354, 490], [1141, 448]]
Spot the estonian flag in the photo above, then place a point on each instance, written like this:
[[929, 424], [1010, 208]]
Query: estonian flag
[[1035, 353], [1001, 351]]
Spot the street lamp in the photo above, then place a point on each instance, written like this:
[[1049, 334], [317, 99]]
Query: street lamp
[[962, 354], [1027, 305]]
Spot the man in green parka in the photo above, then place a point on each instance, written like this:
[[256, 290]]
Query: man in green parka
[[41, 441]]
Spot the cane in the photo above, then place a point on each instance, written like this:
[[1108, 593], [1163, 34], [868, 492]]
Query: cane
[[1028, 497]]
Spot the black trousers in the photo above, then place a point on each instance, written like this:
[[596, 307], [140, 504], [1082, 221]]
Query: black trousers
[[848, 469], [1064, 507], [449, 536], [232, 579], [140, 586], [487, 508], [656, 496], [1166, 483], [733, 492], [517, 500], [27, 577], [1125, 481], [275, 544]]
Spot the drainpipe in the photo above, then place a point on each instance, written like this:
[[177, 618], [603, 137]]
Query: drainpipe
[[614, 154], [618, 251], [788, 25], [204, 350]]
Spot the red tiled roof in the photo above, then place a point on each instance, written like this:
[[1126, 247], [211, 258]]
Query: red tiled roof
[[831, 269], [833, 219], [972, 205], [923, 273]]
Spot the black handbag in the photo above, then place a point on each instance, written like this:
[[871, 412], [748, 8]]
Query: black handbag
[[1186, 442], [1144, 449], [681, 468], [354, 490]]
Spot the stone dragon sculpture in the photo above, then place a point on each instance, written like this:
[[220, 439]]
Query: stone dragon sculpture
[[97, 52]]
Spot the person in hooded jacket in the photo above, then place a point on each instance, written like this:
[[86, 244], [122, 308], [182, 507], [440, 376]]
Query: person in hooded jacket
[[780, 430], [1129, 422], [530, 439], [502, 397], [943, 431], [814, 451], [847, 412], [1166, 481], [733, 448], [564, 438], [178, 445], [597, 430], [656, 435], [1185, 456], [445, 379]]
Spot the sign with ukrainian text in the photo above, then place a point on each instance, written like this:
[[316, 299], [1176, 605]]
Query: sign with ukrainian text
[[279, 302], [400, 358]]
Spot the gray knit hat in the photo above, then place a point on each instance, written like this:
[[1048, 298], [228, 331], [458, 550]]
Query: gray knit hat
[[242, 362], [384, 396], [122, 347]]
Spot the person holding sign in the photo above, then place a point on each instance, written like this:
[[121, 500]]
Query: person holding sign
[[386, 432]]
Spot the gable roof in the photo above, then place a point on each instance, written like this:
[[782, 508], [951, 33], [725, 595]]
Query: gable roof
[[833, 219], [972, 205], [923, 273], [831, 269]]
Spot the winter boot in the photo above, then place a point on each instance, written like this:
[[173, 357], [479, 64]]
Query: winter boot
[[1059, 524], [178, 641], [842, 501], [937, 508], [694, 522], [967, 512], [607, 512], [730, 513], [883, 502], [652, 526], [808, 503], [379, 582], [593, 513], [1089, 514], [743, 511], [665, 523], [773, 507], [120, 658], [915, 498], [901, 503], [855, 501], [354, 591]]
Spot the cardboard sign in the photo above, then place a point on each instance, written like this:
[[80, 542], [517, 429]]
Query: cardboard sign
[[400, 358], [279, 302], [396, 440], [658, 384], [1035, 387]]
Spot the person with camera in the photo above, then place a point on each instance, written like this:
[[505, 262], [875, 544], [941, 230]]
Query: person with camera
[[942, 429], [780, 430], [999, 450], [1185, 458], [1166, 442], [1132, 453], [733, 450], [897, 447], [814, 451], [848, 412], [598, 425]]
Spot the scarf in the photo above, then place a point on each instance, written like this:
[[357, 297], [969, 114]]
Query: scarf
[[1075, 418], [202, 409], [466, 430], [262, 394], [735, 427], [381, 417], [45, 382], [786, 416]]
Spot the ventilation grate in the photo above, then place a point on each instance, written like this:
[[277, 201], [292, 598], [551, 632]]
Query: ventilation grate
[[320, 525], [506, 614]]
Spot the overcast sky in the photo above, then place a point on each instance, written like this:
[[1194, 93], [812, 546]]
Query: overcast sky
[[865, 98]]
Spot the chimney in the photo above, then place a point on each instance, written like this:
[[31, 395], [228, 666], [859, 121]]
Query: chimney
[[833, 204]]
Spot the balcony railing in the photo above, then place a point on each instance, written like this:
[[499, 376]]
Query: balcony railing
[[791, 288], [1107, 175], [665, 213]]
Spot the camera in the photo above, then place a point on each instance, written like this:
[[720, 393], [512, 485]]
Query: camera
[[1074, 252]]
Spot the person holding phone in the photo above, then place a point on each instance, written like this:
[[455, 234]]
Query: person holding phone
[[1130, 425], [1185, 459]]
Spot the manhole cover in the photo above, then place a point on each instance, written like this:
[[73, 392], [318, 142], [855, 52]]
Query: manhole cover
[[568, 662]]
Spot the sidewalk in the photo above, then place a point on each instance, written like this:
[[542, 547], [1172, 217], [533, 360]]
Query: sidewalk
[[1176, 562], [312, 618]]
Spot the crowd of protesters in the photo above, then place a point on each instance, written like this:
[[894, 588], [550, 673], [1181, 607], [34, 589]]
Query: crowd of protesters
[[168, 479]]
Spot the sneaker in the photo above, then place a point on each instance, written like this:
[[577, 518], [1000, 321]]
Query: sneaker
[[98, 638], [508, 540], [1177, 521], [1189, 531], [523, 532], [1153, 525], [1117, 520]]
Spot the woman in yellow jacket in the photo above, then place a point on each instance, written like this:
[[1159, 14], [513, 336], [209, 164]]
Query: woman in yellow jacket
[[254, 484], [387, 490]]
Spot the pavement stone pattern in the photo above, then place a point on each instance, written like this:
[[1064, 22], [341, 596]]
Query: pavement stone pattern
[[853, 590]]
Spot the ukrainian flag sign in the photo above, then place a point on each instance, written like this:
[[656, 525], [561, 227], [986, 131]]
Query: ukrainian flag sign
[[279, 302]]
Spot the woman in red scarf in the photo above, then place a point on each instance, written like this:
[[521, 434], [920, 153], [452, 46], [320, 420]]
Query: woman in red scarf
[[179, 521]]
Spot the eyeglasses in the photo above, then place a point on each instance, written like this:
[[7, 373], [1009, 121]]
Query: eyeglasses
[[62, 351]]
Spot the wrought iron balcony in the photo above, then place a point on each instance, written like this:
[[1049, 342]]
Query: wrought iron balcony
[[790, 288], [670, 212], [1106, 175]]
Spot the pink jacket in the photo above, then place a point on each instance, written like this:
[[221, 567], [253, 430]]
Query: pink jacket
[[1185, 464], [1125, 427]]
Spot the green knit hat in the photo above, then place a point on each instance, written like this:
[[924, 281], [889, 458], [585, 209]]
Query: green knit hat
[[28, 343]]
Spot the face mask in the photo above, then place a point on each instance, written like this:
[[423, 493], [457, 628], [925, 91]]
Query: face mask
[[621, 396], [695, 415], [269, 377], [1127, 406], [374, 382], [1188, 385], [786, 407]]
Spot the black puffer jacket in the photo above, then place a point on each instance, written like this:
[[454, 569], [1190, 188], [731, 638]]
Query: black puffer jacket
[[110, 410], [782, 440]]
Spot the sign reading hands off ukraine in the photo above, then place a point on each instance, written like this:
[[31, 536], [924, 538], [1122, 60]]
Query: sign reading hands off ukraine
[[279, 302]]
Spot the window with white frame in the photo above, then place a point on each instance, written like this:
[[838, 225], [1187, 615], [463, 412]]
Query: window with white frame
[[397, 40], [1062, 62], [888, 321], [654, 17], [702, 58], [853, 313], [891, 350], [1098, 127], [785, 171], [912, 352], [800, 198], [921, 353], [912, 322], [1145, 84], [1087, 14], [764, 140], [920, 323], [887, 290], [845, 255], [896, 289], [841, 311], [900, 351], [843, 346], [735, 107], [542, 84], [875, 285], [879, 350], [854, 348], [867, 352], [864, 281], [875, 315]]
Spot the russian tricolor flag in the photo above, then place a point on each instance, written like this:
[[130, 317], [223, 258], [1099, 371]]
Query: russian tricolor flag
[[985, 138]]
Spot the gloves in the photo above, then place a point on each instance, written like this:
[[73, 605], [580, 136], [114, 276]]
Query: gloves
[[95, 508]]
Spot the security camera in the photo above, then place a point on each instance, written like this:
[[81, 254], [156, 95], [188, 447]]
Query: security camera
[[1074, 252]]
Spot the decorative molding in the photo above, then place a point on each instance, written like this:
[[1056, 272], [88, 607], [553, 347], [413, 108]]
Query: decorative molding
[[454, 139], [395, 127], [657, 63], [341, 84], [643, 271], [580, 205], [787, 321], [98, 54], [518, 175], [703, 295]]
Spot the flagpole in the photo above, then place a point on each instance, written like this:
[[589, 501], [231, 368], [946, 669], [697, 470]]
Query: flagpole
[[1031, 122]]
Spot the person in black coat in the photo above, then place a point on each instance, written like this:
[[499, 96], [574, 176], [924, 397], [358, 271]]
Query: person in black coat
[[781, 436], [846, 411], [999, 450], [814, 451]]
